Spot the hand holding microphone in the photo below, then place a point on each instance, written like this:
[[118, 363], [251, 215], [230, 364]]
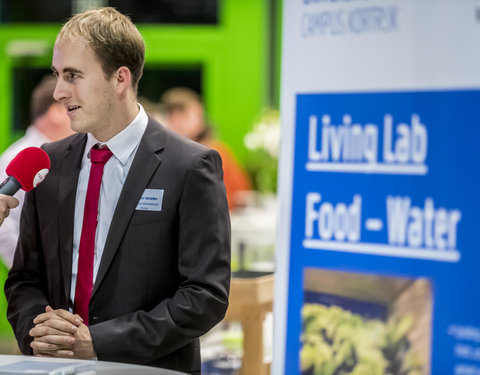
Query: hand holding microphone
[[25, 171], [6, 204]]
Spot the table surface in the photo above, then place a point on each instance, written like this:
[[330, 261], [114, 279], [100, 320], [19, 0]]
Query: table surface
[[100, 367]]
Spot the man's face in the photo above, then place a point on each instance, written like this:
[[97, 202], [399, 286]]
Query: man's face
[[82, 87]]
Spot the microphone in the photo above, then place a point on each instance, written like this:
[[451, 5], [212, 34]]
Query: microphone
[[26, 170]]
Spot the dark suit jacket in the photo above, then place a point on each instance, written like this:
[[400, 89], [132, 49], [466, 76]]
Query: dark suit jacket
[[164, 276]]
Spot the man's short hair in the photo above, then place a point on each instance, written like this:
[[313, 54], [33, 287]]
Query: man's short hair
[[42, 97], [113, 37]]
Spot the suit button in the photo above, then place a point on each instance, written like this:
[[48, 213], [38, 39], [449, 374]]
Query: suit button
[[95, 318]]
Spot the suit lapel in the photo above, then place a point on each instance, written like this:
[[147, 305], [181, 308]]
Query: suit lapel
[[67, 185], [144, 165]]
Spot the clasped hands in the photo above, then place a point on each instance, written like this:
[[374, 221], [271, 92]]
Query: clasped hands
[[59, 333]]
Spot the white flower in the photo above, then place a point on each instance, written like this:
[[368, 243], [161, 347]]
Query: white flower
[[265, 134]]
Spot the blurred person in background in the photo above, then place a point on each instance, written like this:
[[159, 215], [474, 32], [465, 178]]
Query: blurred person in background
[[186, 116], [49, 123]]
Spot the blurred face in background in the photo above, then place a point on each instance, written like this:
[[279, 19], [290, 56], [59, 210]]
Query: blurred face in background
[[186, 119], [55, 123]]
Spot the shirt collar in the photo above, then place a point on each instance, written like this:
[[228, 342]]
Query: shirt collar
[[124, 143]]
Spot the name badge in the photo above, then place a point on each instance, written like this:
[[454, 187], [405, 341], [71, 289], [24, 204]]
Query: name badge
[[151, 200]]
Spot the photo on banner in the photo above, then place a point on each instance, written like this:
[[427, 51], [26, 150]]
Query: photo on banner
[[365, 323]]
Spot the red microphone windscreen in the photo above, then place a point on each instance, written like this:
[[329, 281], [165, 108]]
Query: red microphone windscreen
[[29, 167]]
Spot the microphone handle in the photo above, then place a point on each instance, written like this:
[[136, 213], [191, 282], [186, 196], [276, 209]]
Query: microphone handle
[[10, 186]]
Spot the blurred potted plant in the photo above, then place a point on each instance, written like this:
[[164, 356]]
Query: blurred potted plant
[[263, 142]]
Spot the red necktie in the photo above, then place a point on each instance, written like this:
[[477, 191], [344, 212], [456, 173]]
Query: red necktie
[[84, 286]]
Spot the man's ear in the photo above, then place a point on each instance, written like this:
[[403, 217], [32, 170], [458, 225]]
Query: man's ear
[[123, 78]]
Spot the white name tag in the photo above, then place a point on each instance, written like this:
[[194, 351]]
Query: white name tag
[[151, 200]]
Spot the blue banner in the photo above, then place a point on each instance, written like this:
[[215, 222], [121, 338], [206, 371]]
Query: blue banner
[[385, 195]]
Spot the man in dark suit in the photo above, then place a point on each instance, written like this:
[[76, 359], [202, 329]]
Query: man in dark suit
[[124, 250]]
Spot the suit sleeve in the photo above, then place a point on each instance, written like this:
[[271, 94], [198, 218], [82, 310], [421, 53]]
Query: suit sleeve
[[25, 287], [201, 300]]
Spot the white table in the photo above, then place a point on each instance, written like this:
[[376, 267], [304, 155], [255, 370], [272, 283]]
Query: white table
[[99, 367], [253, 235]]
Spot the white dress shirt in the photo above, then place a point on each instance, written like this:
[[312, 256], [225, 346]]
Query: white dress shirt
[[11, 227], [124, 147]]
